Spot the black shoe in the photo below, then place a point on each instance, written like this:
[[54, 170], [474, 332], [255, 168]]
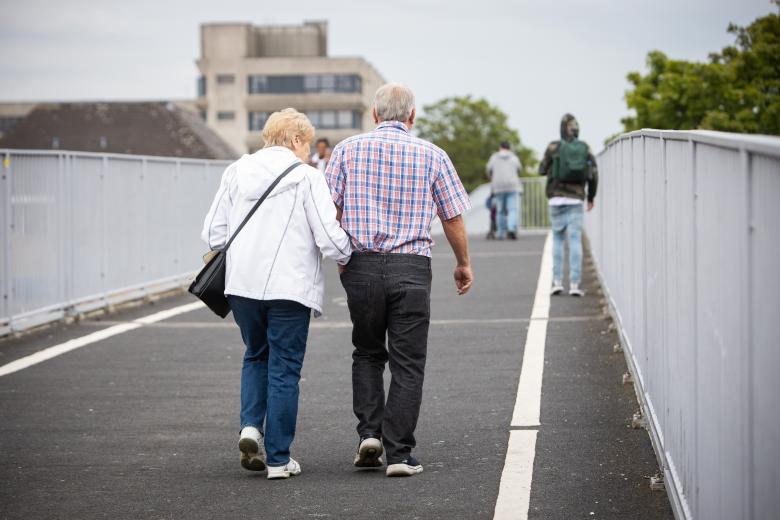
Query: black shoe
[[511, 235], [369, 453], [405, 468]]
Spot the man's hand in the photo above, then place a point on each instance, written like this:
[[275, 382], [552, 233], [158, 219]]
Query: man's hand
[[590, 205], [341, 268], [455, 232], [463, 278]]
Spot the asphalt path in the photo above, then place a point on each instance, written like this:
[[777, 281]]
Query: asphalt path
[[144, 424]]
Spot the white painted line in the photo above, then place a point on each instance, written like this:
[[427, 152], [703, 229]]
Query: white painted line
[[529, 389], [62, 348], [73, 344], [541, 308], [514, 492], [170, 313]]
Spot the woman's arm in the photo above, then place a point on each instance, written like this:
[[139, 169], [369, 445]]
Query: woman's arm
[[321, 215], [215, 226]]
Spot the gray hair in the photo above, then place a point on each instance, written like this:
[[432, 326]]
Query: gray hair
[[394, 102]]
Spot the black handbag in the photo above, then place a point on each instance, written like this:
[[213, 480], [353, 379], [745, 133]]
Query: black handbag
[[209, 284]]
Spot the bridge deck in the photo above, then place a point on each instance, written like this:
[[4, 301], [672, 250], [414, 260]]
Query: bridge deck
[[144, 424]]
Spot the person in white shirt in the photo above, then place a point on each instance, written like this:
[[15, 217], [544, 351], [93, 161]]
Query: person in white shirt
[[320, 158], [274, 279]]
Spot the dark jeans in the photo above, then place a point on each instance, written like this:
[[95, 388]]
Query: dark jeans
[[275, 333], [388, 295]]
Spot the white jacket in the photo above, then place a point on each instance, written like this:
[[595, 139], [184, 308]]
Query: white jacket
[[276, 256]]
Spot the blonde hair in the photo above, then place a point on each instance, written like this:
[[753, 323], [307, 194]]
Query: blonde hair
[[281, 127]]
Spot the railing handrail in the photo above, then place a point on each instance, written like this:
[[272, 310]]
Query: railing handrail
[[158, 158], [755, 143]]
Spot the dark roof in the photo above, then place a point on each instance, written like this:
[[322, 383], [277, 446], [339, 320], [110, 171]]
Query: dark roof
[[144, 128]]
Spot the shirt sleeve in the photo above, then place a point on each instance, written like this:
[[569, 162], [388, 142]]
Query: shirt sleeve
[[448, 192], [336, 176], [215, 226]]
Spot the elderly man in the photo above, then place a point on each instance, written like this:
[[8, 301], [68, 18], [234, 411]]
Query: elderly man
[[388, 186]]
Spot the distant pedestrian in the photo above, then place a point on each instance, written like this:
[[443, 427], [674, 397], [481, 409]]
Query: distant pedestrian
[[491, 207], [274, 279], [389, 186], [322, 154], [503, 169], [572, 177]]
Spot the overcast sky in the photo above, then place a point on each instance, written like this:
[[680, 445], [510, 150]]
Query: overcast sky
[[534, 59]]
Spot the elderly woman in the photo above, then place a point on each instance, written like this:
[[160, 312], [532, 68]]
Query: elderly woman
[[274, 279]]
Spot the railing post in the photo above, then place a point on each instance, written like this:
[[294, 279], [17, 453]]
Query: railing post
[[5, 179], [103, 232]]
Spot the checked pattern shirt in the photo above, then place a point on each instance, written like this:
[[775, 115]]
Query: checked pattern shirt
[[390, 185]]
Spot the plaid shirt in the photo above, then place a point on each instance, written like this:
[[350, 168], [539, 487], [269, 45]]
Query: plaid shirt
[[390, 185]]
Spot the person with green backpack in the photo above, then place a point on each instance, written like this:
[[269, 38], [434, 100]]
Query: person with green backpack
[[572, 178]]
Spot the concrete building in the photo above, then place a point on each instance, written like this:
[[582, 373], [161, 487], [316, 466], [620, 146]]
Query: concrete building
[[249, 72]]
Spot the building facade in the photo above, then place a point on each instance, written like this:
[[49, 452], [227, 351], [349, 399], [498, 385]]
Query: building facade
[[248, 72]]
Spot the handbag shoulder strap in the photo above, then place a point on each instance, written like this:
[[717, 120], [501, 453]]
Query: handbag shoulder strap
[[260, 201]]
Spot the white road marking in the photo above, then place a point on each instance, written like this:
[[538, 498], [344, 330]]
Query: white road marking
[[514, 493], [73, 344]]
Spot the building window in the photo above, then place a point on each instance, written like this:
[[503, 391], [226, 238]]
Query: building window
[[7, 123], [226, 116], [257, 120], [309, 84], [225, 79], [201, 86], [335, 119]]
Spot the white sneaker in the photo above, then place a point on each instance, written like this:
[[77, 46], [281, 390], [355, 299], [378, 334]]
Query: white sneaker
[[557, 287], [369, 454], [291, 469], [250, 444], [405, 468], [574, 290]]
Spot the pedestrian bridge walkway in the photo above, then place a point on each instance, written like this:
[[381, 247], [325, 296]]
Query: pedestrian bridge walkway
[[530, 409], [142, 423]]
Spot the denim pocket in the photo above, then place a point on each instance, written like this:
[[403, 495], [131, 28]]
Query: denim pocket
[[415, 299]]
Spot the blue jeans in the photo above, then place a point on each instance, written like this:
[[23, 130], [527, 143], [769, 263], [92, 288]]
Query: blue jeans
[[275, 333], [567, 225], [507, 211]]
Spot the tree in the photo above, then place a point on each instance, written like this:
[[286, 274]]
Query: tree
[[470, 130], [737, 91]]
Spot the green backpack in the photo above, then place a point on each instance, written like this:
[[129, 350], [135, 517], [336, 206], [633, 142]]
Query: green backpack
[[571, 162]]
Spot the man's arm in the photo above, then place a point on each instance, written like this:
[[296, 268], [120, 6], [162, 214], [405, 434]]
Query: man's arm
[[593, 179], [545, 165], [455, 231]]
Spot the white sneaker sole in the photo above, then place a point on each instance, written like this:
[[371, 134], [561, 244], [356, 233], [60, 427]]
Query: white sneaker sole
[[279, 473], [369, 454], [556, 291], [403, 470], [251, 455]]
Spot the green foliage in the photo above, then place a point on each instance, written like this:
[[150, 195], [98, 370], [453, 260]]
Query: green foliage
[[470, 130], [737, 91]]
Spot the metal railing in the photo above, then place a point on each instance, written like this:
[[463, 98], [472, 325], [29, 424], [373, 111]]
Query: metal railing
[[80, 231], [685, 237], [533, 208]]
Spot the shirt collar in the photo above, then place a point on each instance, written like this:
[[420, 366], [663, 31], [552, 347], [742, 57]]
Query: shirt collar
[[393, 124]]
